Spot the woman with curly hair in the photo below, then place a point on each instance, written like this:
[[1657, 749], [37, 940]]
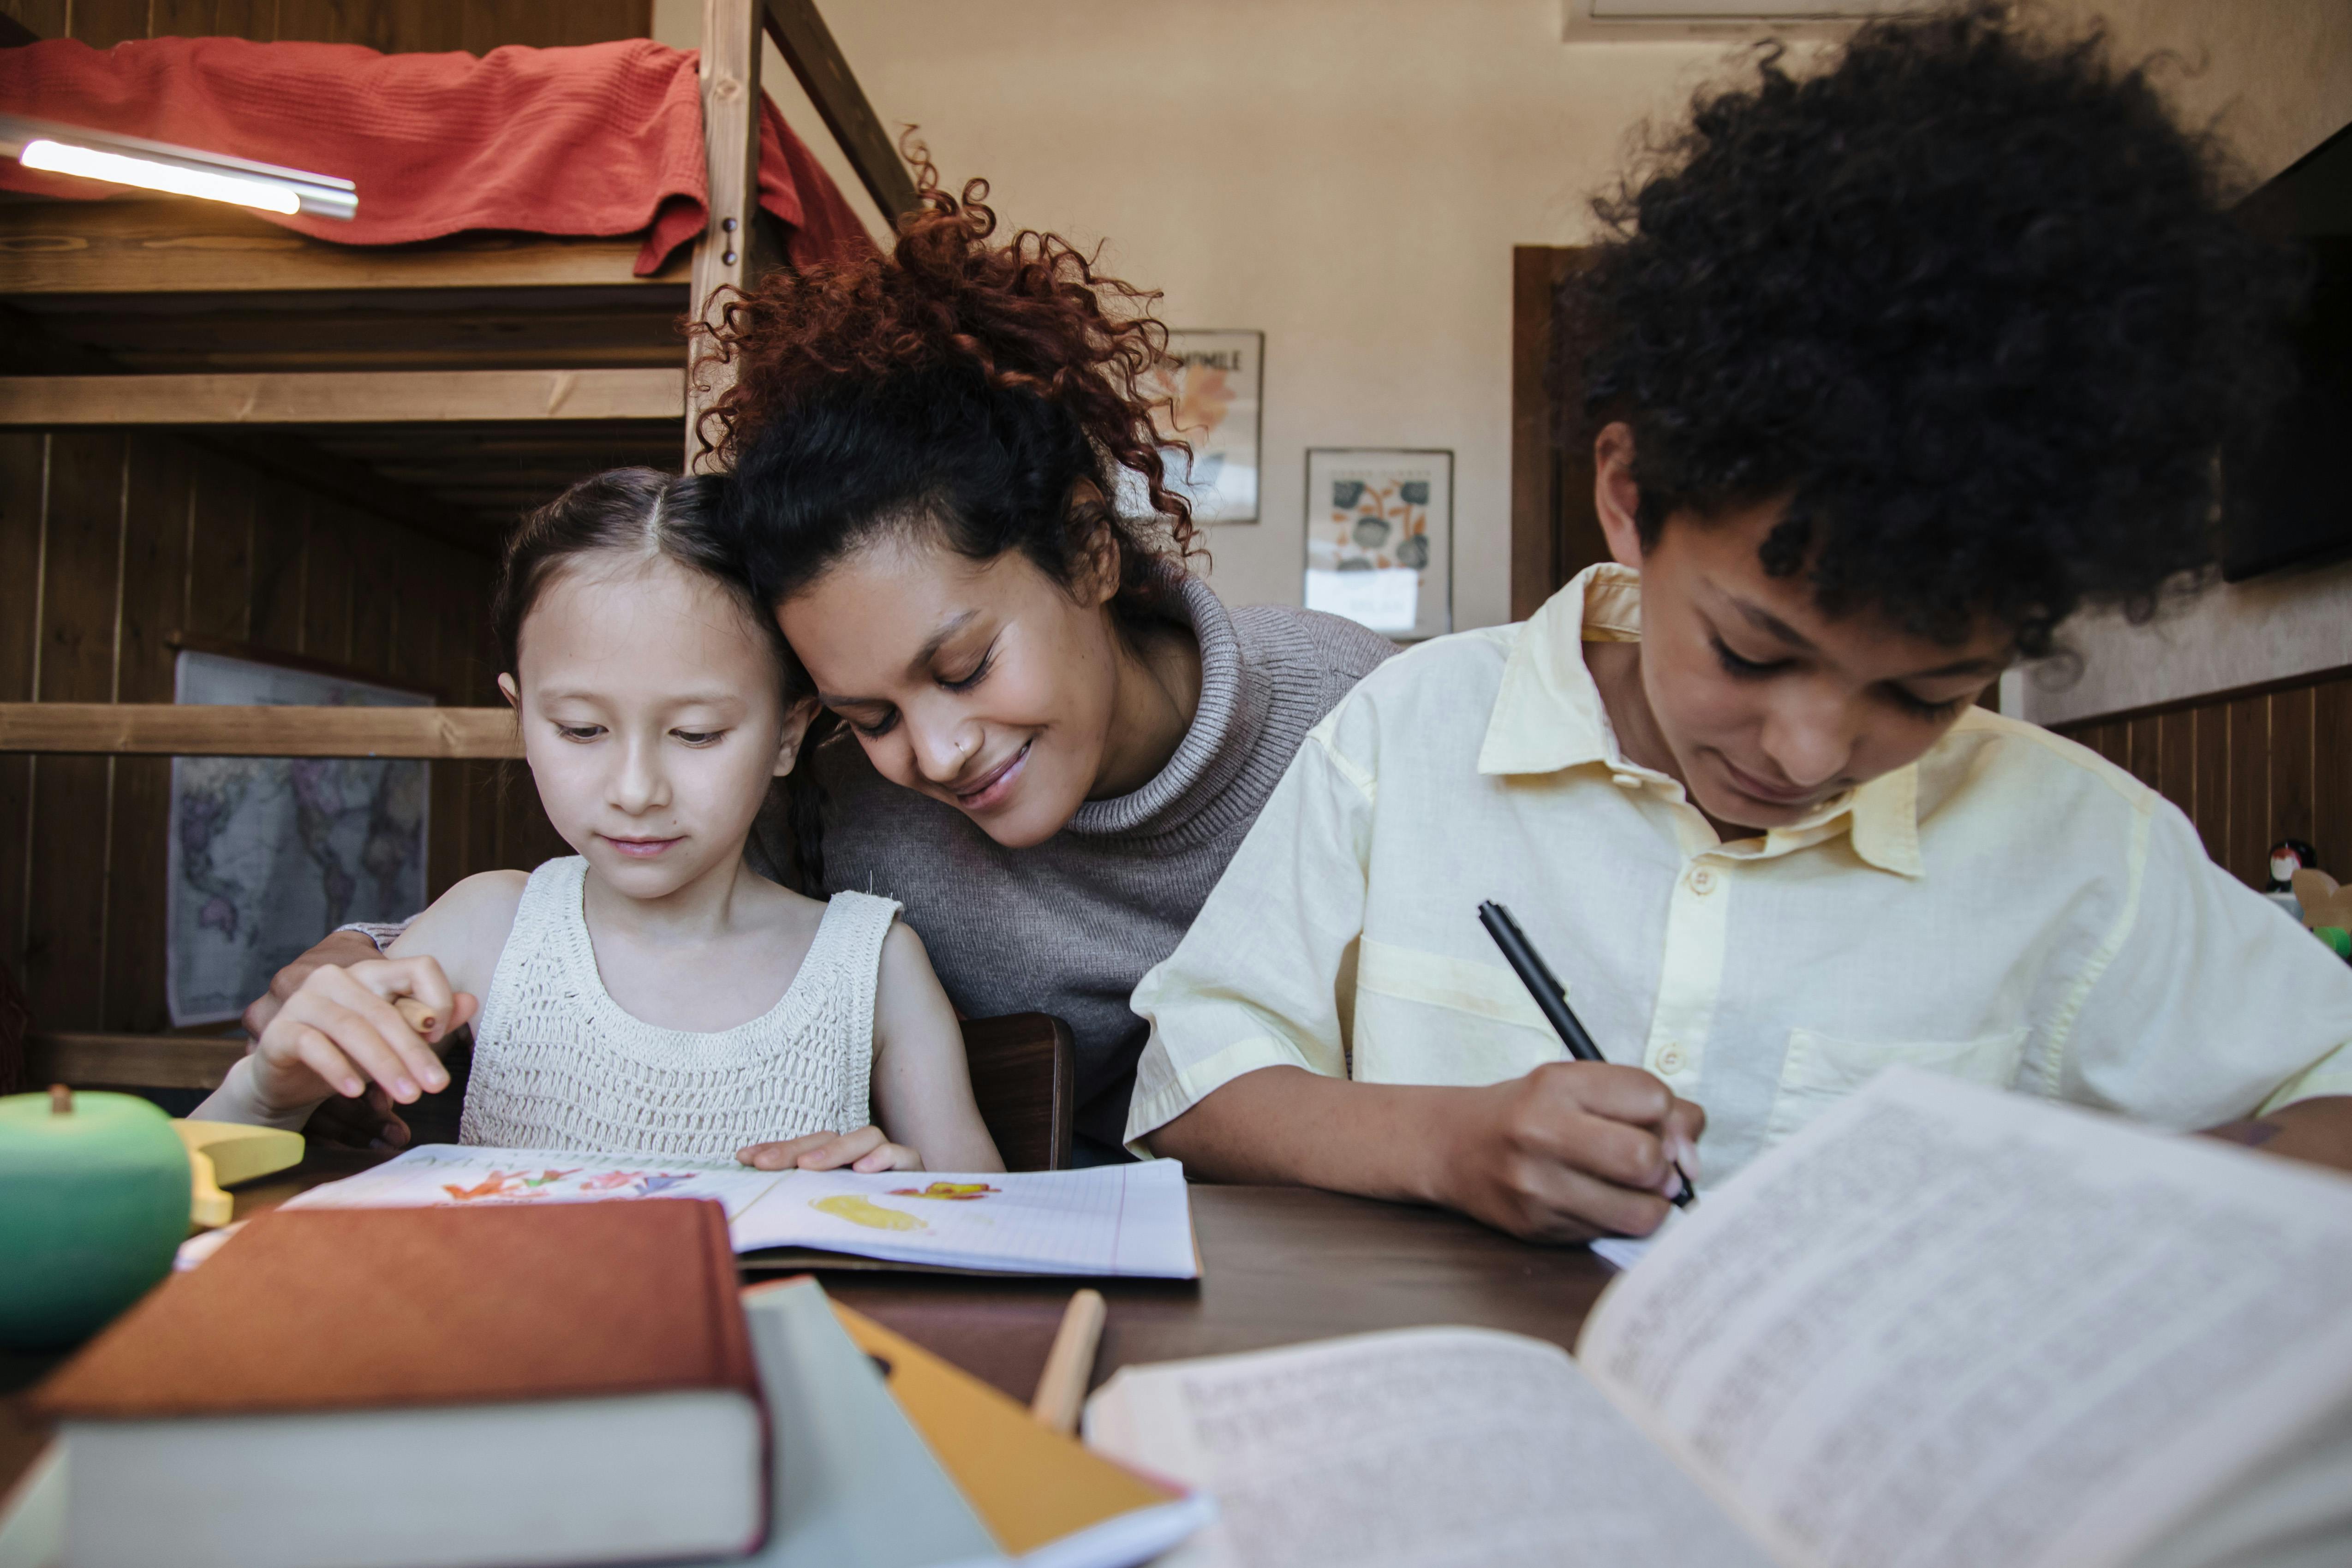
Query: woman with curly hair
[[1887, 368], [1048, 737]]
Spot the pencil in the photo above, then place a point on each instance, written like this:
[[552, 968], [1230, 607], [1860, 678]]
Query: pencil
[[1551, 1000], [1070, 1365]]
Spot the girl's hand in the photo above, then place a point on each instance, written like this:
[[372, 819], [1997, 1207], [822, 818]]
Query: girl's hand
[[340, 1031], [866, 1150]]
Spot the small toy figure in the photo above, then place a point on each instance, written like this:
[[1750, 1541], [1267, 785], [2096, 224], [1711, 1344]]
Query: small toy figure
[[2289, 856]]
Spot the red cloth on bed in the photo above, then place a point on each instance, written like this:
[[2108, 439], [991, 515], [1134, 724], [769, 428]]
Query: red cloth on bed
[[605, 138]]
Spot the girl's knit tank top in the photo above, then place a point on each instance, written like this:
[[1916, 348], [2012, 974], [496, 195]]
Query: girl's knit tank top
[[558, 1065]]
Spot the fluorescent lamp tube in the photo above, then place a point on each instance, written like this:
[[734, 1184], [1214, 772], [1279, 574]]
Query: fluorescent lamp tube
[[90, 164], [181, 170]]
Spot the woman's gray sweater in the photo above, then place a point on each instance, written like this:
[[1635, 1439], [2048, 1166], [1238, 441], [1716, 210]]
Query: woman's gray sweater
[[1070, 925]]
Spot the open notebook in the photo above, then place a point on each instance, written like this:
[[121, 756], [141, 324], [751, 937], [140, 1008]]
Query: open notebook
[[1942, 1326], [1129, 1219]]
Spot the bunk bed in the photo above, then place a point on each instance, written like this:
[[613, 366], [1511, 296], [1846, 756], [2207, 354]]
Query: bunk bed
[[450, 384]]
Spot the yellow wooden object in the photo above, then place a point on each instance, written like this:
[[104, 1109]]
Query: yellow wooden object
[[223, 1154]]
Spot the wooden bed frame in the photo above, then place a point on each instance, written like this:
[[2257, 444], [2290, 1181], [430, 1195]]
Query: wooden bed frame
[[478, 374], [461, 380]]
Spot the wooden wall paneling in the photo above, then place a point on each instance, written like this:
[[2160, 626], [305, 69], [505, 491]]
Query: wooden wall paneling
[[2146, 748], [219, 595], [2176, 767], [2249, 837], [327, 585], [2331, 775], [374, 590], [485, 838], [23, 463], [2291, 795], [281, 527], [2248, 768], [102, 24], [65, 925], [422, 27], [409, 570], [42, 19], [187, 19], [390, 25], [434, 605], [246, 19], [159, 501], [2212, 814]]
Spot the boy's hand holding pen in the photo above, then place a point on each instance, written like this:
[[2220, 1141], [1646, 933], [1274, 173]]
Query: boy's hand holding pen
[[1552, 999]]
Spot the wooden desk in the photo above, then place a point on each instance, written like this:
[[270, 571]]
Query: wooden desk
[[1278, 1265]]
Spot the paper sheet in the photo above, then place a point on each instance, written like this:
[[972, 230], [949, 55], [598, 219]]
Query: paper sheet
[[1428, 1447], [1129, 1219], [1948, 1326]]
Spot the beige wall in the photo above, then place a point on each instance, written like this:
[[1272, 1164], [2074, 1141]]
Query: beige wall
[[1350, 176]]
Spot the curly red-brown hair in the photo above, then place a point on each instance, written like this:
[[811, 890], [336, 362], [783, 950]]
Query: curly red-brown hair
[[990, 389]]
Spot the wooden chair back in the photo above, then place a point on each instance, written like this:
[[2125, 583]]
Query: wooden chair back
[[1025, 1075]]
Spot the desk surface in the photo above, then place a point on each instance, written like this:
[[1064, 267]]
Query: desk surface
[[1278, 1265]]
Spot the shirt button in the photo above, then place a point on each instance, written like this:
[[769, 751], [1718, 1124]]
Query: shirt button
[[1624, 782], [1670, 1061], [1702, 881]]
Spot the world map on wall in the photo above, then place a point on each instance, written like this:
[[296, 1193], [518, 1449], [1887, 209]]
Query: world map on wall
[[267, 854]]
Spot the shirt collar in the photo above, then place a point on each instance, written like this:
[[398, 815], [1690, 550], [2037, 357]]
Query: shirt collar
[[1549, 717]]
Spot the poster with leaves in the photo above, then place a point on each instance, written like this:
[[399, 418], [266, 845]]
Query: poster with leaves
[[1207, 388], [1380, 537]]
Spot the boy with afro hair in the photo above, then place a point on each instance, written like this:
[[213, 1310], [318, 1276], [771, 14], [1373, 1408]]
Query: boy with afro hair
[[1888, 368]]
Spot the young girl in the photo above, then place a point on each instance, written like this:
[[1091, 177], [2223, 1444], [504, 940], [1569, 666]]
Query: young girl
[[651, 995]]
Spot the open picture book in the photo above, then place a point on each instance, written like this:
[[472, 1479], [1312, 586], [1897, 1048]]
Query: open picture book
[[1131, 1219], [1942, 1326]]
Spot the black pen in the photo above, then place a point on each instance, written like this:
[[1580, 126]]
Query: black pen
[[1551, 998]]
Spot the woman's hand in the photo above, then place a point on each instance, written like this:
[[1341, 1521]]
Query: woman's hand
[[866, 1150], [340, 1031], [344, 947]]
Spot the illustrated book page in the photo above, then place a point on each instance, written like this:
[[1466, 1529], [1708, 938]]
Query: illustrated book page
[[1947, 1326], [1129, 1219]]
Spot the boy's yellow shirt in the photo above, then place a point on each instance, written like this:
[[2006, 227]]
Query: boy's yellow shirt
[[2010, 909]]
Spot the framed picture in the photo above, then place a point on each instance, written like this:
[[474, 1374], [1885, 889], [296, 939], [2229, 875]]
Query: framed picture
[[1211, 382], [1380, 537]]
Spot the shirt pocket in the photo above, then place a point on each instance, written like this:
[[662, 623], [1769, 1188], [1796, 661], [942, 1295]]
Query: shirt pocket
[[1426, 1017], [1821, 1070]]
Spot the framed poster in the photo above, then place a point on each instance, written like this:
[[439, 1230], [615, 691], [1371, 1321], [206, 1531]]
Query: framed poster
[[1209, 382], [1380, 537]]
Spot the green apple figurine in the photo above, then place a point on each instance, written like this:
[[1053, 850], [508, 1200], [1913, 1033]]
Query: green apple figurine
[[93, 1204]]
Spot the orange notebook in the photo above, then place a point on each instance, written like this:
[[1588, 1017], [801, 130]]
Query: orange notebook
[[572, 1384], [1030, 1486]]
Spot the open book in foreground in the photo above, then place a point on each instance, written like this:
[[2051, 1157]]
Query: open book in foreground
[[1131, 1219], [1943, 1326]]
